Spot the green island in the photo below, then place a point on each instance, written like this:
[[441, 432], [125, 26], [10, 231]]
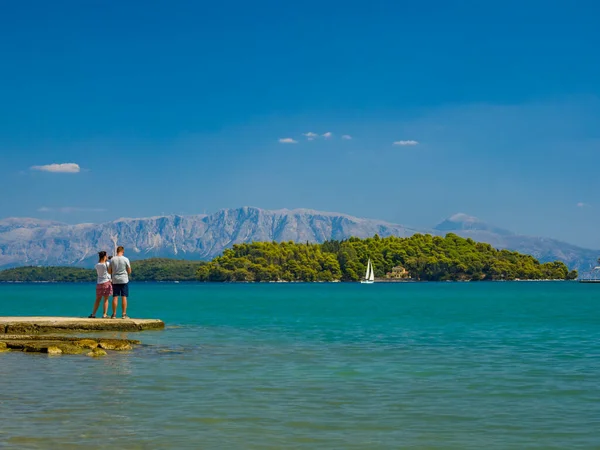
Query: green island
[[152, 269], [421, 257]]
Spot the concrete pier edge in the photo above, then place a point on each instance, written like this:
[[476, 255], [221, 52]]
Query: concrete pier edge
[[41, 324]]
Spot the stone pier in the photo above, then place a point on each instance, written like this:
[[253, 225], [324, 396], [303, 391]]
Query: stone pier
[[36, 325], [31, 334]]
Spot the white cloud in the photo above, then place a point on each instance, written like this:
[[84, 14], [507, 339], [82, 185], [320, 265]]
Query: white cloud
[[310, 135], [58, 168], [328, 135], [70, 209], [409, 142], [582, 205], [287, 141], [346, 137]]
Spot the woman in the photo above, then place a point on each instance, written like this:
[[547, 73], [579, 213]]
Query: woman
[[103, 285]]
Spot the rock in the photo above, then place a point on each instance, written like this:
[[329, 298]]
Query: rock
[[8, 338], [87, 343], [34, 347], [96, 353], [70, 349], [20, 328], [123, 347], [114, 344], [57, 345]]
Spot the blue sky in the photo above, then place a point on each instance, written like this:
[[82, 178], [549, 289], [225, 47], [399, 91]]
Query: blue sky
[[179, 107]]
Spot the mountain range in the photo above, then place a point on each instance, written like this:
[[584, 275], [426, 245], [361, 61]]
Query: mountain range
[[25, 241]]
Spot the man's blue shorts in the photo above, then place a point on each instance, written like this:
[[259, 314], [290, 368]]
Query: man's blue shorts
[[121, 290]]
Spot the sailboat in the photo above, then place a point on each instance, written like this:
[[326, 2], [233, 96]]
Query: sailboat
[[370, 275]]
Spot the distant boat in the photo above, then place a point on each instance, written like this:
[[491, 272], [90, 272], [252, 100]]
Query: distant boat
[[370, 275]]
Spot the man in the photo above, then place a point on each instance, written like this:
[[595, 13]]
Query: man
[[120, 269]]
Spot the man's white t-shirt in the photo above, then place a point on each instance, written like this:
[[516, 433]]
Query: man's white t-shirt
[[102, 271], [119, 265]]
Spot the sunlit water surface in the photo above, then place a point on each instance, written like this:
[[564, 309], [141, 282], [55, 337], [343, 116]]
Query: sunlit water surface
[[431, 365]]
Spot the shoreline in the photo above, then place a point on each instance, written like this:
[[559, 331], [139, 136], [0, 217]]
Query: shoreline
[[309, 282]]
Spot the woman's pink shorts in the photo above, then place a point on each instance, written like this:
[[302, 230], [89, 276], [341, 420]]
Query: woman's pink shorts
[[104, 289]]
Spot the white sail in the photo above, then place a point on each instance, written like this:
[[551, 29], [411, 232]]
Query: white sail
[[371, 274]]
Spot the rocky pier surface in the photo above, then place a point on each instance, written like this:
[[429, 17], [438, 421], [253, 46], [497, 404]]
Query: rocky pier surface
[[35, 325], [32, 334]]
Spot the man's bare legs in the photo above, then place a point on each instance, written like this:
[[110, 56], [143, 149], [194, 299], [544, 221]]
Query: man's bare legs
[[114, 306]]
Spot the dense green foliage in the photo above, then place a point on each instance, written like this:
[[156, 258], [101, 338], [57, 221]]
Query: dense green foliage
[[424, 256], [266, 261], [58, 274], [165, 269], [154, 269]]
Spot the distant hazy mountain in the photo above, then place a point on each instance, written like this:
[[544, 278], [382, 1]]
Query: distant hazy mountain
[[544, 249], [38, 242], [462, 222], [32, 242]]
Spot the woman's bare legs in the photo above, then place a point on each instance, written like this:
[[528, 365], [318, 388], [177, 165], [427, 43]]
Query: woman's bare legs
[[96, 304], [105, 307]]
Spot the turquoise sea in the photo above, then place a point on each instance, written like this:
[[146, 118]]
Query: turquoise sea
[[317, 366]]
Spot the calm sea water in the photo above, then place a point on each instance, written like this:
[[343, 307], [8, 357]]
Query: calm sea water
[[349, 366]]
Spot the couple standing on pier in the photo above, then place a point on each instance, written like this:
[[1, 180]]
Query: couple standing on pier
[[119, 268]]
